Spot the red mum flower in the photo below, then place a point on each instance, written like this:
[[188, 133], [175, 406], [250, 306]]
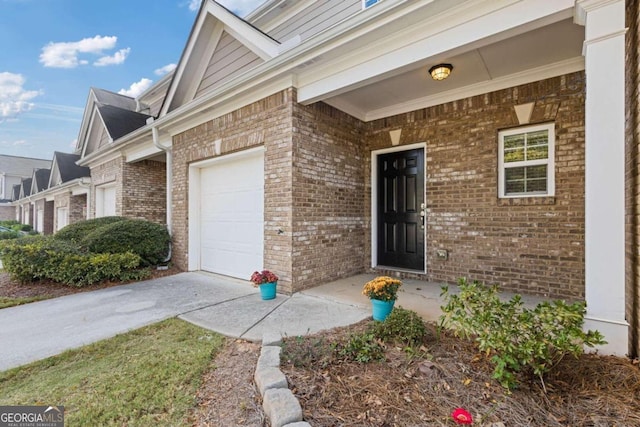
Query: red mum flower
[[461, 416]]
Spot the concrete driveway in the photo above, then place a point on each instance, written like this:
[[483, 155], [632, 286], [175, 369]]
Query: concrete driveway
[[232, 307]]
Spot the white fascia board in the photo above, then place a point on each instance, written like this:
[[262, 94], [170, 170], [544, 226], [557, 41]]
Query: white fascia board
[[86, 120], [466, 28], [261, 44], [524, 77], [184, 60], [141, 151], [114, 149], [190, 116], [292, 11]]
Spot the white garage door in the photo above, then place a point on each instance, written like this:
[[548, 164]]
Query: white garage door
[[232, 216]]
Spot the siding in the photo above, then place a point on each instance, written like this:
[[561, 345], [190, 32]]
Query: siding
[[230, 58], [316, 18]]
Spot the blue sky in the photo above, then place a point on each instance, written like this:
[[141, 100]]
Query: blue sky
[[53, 51]]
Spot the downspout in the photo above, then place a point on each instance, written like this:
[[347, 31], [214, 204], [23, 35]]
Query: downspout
[[169, 173], [169, 180]]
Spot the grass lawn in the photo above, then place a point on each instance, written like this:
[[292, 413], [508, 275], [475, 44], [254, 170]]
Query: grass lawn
[[145, 377], [10, 302]]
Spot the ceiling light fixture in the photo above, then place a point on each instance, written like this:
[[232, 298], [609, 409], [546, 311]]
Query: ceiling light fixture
[[440, 71]]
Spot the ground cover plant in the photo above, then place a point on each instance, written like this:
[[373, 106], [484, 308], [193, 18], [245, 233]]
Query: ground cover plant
[[423, 381], [146, 377]]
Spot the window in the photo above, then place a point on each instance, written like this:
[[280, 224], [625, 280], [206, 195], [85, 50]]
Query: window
[[369, 3], [526, 161]]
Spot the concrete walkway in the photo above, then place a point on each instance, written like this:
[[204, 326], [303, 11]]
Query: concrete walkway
[[229, 306], [232, 307]]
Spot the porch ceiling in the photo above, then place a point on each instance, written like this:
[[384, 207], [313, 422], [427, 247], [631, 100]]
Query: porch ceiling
[[544, 52]]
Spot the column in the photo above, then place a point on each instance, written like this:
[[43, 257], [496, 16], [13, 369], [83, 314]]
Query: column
[[604, 51]]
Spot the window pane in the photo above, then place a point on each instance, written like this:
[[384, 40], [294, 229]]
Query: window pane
[[514, 141], [537, 186], [537, 152], [536, 172], [538, 138], [514, 180], [516, 155]]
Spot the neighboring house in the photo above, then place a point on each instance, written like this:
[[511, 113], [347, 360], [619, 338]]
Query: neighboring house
[[42, 209], [23, 202], [312, 140], [68, 189], [126, 183], [12, 170]]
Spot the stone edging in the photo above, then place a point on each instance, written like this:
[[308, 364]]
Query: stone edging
[[279, 403]]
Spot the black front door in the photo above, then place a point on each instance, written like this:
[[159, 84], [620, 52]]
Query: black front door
[[400, 204]]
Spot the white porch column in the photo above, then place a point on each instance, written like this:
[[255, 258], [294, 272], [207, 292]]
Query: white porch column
[[604, 51]]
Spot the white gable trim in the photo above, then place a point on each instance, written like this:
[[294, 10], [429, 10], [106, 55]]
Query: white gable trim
[[261, 44], [55, 171], [212, 21]]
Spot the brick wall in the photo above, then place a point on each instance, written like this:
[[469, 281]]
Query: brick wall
[[77, 208], [266, 122], [328, 195], [109, 172], [530, 245], [7, 212], [144, 191], [140, 188], [632, 169]]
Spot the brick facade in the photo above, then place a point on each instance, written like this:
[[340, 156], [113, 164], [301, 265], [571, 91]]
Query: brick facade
[[7, 212], [266, 122], [318, 185], [632, 168], [140, 188], [530, 245], [76, 208], [329, 219]]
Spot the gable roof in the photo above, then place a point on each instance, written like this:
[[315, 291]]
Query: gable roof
[[119, 121], [25, 188], [213, 19], [21, 166], [101, 97], [64, 168], [15, 193], [40, 180]]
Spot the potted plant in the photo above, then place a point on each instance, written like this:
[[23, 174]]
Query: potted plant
[[267, 281], [383, 292]]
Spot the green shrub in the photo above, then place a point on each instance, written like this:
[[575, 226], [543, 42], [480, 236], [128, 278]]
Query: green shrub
[[8, 223], [21, 227], [404, 326], [5, 235], [147, 239], [362, 347], [519, 339], [43, 257], [79, 230]]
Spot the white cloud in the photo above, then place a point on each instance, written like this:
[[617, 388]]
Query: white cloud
[[194, 5], [19, 142], [73, 143], [164, 70], [115, 59], [14, 98], [66, 54], [239, 7], [136, 88]]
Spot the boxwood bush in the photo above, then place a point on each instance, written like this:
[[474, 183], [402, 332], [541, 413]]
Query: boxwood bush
[[79, 230], [43, 257], [147, 239]]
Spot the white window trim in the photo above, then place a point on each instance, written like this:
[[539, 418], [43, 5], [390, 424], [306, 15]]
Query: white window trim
[[550, 161]]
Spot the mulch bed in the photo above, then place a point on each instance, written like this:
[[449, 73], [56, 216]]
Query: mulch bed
[[46, 288], [422, 388]]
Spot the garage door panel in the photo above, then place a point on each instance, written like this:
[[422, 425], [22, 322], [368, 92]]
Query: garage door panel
[[232, 216]]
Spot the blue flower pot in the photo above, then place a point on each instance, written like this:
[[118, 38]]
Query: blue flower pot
[[268, 290], [381, 309]]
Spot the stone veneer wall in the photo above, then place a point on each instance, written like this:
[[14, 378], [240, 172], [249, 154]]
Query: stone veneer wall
[[529, 245], [266, 122], [328, 195], [633, 174]]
